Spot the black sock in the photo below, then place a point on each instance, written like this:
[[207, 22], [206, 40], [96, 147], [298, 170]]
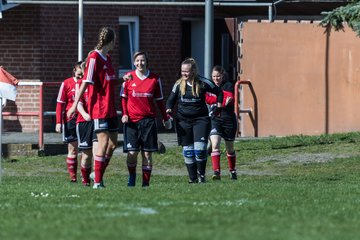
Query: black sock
[[201, 167], [192, 170]]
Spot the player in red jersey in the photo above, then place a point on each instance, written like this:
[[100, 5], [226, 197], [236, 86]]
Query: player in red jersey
[[139, 94], [99, 79], [87, 141], [67, 125], [224, 125]]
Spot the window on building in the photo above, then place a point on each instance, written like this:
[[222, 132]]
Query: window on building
[[128, 42]]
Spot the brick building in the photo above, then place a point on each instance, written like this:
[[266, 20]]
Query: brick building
[[38, 42]]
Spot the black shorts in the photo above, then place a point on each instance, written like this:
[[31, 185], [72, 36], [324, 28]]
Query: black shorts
[[192, 130], [141, 135], [69, 131], [106, 124], [225, 128], [86, 135]]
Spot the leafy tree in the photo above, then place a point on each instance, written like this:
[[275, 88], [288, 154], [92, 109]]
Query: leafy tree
[[349, 14]]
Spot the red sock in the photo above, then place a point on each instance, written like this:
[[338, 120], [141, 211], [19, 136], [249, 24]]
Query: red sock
[[72, 167], [131, 168], [99, 163], [85, 174], [231, 160], [146, 172], [215, 159]]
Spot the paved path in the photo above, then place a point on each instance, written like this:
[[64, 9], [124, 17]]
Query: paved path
[[26, 144], [168, 139]]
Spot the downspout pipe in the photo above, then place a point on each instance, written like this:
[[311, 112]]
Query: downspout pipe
[[209, 38], [80, 31]]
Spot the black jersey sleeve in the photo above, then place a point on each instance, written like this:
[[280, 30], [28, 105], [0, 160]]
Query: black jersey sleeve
[[170, 103], [229, 87]]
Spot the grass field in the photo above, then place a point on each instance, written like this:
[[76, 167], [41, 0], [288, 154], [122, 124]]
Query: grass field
[[288, 188]]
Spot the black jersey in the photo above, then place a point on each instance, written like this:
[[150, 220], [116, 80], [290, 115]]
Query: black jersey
[[190, 106]]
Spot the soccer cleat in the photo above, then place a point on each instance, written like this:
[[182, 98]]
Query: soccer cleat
[[92, 176], [98, 186], [73, 180], [216, 176], [201, 179], [193, 180], [86, 184], [233, 175], [131, 180]]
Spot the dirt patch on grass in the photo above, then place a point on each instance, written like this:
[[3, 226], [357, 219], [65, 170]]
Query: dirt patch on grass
[[302, 158]]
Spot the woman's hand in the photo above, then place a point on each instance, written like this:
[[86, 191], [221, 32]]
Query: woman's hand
[[125, 119], [127, 77], [58, 128]]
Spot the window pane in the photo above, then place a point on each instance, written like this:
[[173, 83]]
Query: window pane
[[125, 47]]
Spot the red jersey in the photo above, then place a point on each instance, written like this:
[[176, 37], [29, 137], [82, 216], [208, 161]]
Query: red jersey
[[139, 95], [101, 76], [66, 96]]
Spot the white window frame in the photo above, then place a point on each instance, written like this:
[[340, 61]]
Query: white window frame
[[134, 33]]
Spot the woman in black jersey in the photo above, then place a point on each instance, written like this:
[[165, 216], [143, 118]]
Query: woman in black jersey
[[192, 117], [224, 125]]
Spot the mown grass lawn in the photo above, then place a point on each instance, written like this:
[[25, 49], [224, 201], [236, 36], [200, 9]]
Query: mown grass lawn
[[288, 188]]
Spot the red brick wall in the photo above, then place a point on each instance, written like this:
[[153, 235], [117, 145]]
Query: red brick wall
[[40, 42]]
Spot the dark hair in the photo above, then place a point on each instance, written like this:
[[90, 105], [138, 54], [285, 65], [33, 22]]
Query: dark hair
[[106, 35], [77, 65], [222, 71], [219, 69]]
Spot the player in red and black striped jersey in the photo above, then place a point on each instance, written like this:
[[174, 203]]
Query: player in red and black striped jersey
[[139, 94], [223, 125], [67, 125], [99, 78]]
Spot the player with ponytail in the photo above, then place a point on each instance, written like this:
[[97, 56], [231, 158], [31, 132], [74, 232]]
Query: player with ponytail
[[100, 80]]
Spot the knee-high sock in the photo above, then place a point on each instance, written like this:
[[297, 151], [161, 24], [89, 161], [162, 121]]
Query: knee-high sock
[[131, 168], [72, 167], [192, 171], [231, 160], [85, 173], [200, 152], [215, 159], [99, 163], [201, 167], [146, 174], [189, 158]]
